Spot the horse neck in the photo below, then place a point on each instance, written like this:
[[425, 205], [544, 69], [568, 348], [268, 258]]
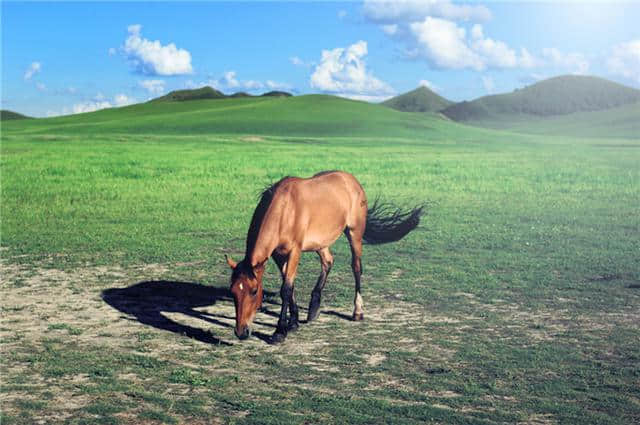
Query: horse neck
[[261, 237]]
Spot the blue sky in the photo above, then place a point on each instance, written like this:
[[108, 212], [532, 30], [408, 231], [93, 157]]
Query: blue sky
[[62, 58]]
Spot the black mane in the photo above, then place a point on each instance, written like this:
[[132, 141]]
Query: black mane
[[266, 196]]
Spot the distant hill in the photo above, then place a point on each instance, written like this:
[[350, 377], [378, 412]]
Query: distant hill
[[553, 97], [419, 100], [307, 116], [6, 115], [209, 93], [191, 94], [277, 93], [619, 122]]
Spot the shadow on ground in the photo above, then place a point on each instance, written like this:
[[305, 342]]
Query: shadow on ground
[[147, 301]]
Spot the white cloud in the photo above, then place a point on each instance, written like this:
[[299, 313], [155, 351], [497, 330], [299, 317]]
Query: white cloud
[[274, 85], [33, 69], [527, 60], [575, 63], [123, 100], [431, 31], [228, 80], [252, 85], [489, 84], [444, 44], [295, 60], [624, 60], [152, 58], [428, 84], [494, 53], [390, 29], [154, 87], [99, 102], [391, 11], [41, 87], [343, 71], [90, 106]]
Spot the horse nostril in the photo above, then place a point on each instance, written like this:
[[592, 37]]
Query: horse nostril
[[244, 334]]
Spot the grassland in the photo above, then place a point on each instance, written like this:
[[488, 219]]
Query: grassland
[[622, 122], [516, 302]]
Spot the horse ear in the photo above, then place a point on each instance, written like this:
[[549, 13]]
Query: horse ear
[[260, 266], [230, 262]]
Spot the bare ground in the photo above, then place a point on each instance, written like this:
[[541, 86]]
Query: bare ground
[[40, 302]]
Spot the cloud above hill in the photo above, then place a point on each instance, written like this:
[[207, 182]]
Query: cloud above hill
[[152, 58], [343, 71], [431, 31], [624, 60], [394, 11], [32, 70]]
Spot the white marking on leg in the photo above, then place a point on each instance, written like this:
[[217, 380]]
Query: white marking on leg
[[358, 304]]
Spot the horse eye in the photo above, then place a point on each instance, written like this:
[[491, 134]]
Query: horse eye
[[254, 292]]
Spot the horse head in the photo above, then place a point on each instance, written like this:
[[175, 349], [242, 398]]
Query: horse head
[[246, 288]]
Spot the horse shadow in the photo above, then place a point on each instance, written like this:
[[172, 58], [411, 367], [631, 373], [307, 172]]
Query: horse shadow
[[147, 301]]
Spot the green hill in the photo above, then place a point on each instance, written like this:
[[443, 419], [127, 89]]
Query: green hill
[[556, 96], [619, 122], [277, 93], [6, 115], [419, 100], [210, 93], [310, 115], [191, 94]]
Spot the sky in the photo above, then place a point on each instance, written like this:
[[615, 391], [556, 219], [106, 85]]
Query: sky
[[62, 58]]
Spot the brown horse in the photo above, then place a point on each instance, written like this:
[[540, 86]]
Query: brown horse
[[296, 215]]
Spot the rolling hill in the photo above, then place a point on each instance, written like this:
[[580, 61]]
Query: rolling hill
[[421, 99], [562, 95], [601, 109], [209, 93], [6, 115], [190, 94], [308, 116]]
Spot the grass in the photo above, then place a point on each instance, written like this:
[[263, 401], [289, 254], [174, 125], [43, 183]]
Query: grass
[[620, 122], [516, 301]]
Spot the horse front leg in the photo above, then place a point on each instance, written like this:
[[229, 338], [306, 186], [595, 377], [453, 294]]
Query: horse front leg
[[288, 300]]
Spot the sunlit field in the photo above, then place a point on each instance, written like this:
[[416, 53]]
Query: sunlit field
[[516, 300]]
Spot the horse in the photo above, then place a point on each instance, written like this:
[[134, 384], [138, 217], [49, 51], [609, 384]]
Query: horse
[[296, 215]]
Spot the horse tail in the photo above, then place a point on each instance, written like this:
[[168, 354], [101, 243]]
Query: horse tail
[[388, 223]]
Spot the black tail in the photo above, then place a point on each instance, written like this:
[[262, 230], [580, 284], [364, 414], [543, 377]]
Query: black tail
[[388, 223]]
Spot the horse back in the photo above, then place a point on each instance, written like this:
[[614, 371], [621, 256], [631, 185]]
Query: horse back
[[316, 210]]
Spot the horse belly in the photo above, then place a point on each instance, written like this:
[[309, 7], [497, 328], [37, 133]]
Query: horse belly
[[323, 231]]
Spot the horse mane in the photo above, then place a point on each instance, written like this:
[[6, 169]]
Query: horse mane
[[265, 197]]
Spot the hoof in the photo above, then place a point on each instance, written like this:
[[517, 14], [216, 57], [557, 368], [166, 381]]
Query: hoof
[[277, 338], [357, 317], [313, 314], [292, 327]]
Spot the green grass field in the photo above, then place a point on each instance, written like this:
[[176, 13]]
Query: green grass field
[[516, 301]]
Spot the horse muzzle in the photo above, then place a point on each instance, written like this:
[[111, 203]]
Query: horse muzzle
[[244, 333]]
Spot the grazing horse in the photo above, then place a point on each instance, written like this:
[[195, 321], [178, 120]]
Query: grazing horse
[[296, 215]]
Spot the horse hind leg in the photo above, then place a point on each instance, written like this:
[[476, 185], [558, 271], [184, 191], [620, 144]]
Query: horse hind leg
[[326, 261], [355, 241]]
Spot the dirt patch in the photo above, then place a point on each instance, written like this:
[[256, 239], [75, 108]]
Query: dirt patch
[[375, 359]]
